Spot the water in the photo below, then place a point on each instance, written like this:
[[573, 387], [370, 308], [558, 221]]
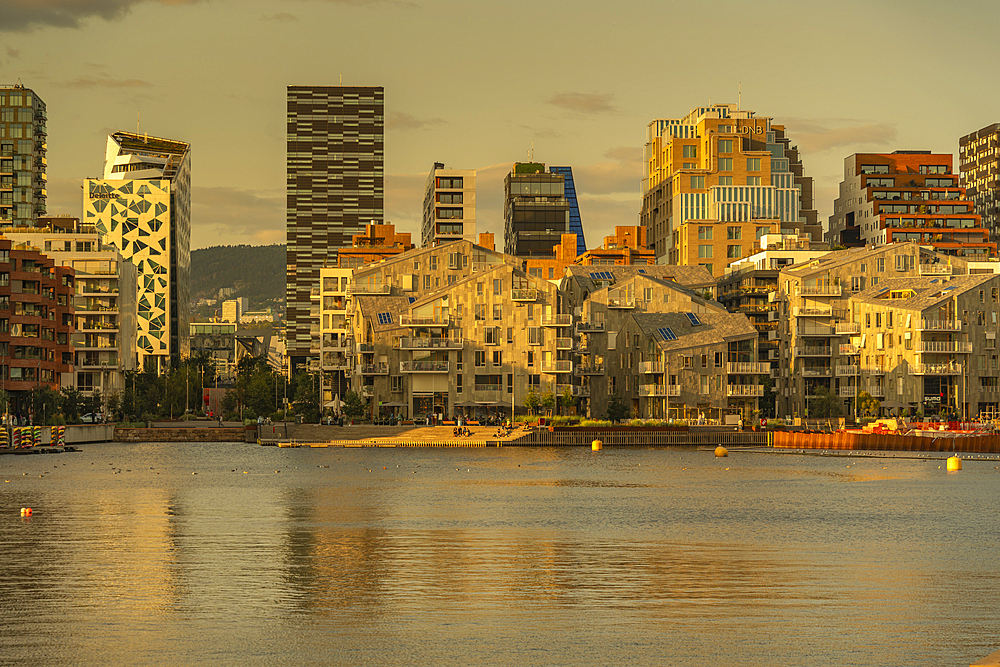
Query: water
[[157, 554]]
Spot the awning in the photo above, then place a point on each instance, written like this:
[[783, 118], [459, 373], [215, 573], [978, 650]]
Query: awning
[[394, 404]]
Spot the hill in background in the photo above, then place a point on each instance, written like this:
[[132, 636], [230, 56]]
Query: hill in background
[[256, 272]]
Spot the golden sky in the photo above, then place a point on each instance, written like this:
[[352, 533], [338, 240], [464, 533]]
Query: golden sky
[[474, 84]]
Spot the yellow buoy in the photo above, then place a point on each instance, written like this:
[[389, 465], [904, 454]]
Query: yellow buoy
[[596, 445], [954, 463], [721, 451]]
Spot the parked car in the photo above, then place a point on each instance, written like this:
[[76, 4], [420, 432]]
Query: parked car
[[92, 418]]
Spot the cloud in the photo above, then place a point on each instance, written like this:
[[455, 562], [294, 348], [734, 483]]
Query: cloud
[[583, 103], [27, 15], [282, 17], [819, 135], [12, 52], [104, 82], [404, 121], [236, 216], [621, 174]]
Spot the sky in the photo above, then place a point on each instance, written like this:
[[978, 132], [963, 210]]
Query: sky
[[479, 85]]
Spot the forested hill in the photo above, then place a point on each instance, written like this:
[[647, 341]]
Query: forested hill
[[256, 272]]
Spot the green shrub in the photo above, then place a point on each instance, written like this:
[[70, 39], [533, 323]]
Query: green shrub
[[596, 422]]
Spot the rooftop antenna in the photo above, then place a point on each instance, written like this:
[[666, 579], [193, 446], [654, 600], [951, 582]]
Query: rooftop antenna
[[341, 78], [739, 96], [137, 121], [532, 150]]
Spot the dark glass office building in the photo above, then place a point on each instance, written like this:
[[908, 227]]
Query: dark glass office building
[[334, 188], [575, 222], [536, 211], [22, 156]]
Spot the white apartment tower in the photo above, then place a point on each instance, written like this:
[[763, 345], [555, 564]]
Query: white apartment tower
[[449, 206]]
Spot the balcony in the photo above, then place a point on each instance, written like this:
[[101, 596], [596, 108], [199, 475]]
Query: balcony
[[940, 325], [456, 343], [943, 346], [621, 302], [660, 390], [747, 368], [530, 294], [596, 369], [423, 321], [424, 367], [586, 327], [874, 370], [375, 369], [801, 311], [564, 343], [848, 349], [488, 387], [815, 330], [936, 369], [820, 290], [816, 372], [744, 390], [814, 351], [847, 371], [847, 392], [561, 320], [775, 373], [773, 316], [366, 347], [877, 391], [562, 366], [935, 269], [848, 327], [650, 367], [367, 289]]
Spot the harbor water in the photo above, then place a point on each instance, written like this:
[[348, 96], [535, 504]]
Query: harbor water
[[234, 554]]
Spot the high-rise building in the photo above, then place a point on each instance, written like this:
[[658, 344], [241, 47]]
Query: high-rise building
[[232, 309], [536, 211], [449, 206], [142, 207], [907, 196], [723, 167], [22, 156], [334, 171], [979, 165], [575, 222]]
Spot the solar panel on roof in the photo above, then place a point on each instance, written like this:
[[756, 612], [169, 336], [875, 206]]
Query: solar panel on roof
[[385, 318], [694, 319], [412, 298], [666, 333], [642, 270]]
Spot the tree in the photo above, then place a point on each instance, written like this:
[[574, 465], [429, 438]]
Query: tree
[[70, 404], [567, 399], [353, 405], [826, 404], [868, 405], [617, 411], [531, 401], [548, 401], [306, 399]]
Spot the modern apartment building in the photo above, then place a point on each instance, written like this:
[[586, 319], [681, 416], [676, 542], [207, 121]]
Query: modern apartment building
[[22, 156], [907, 196], [720, 169], [36, 322], [142, 207], [449, 206], [820, 330], [374, 244], [627, 246], [979, 166], [232, 310], [536, 211], [336, 345], [218, 341], [104, 301], [334, 172]]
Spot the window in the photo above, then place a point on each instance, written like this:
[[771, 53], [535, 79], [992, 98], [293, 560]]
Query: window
[[452, 278], [753, 180], [534, 335], [718, 359], [395, 383], [432, 262], [904, 262], [480, 358], [753, 164], [880, 264], [725, 145], [857, 283], [534, 381], [725, 164], [734, 233], [458, 383], [552, 272], [479, 288], [703, 384], [647, 294], [480, 312], [707, 267], [497, 312], [704, 361], [725, 180], [497, 285], [498, 357], [697, 182], [510, 383], [734, 251], [510, 334], [531, 358], [416, 265], [531, 311], [704, 233], [704, 251], [761, 231], [492, 335], [690, 151], [427, 282]]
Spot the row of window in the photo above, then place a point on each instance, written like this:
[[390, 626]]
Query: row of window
[[734, 251]]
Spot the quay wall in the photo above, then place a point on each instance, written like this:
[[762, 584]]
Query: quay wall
[[179, 435], [979, 444]]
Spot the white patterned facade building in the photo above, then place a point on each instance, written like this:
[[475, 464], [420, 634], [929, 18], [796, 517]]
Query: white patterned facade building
[[142, 207]]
